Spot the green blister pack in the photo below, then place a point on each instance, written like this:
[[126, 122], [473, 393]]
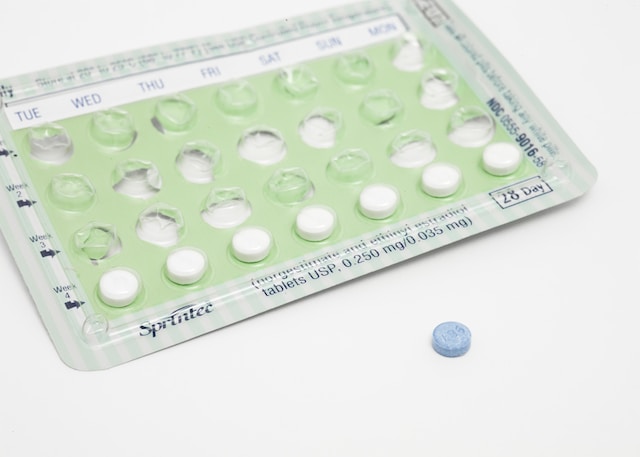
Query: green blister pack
[[152, 197]]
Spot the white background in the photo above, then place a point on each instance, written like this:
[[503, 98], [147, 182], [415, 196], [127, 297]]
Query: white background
[[552, 301]]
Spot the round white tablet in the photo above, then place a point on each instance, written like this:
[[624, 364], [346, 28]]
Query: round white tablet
[[315, 223], [251, 244], [186, 265], [378, 201], [501, 159], [441, 179], [119, 287]]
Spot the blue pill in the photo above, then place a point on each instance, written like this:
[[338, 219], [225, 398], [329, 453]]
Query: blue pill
[[451, 339]]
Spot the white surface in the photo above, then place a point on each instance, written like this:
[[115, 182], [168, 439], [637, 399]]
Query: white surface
[[186, 265], [413, 150], [315, 223], [251, 244], [119, 287], [501, 159], [262, 146], [156, 227], [195, 166], [378, 201], [319, 131], [441, 179], [552, 301], [471, 127], [196, 161], [439, 89], [227, 214], [137, 179], [410, 55]]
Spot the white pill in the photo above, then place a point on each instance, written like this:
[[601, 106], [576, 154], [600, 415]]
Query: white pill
[[441, 179], [119, 287], [378, 201], [315, 223], [501, 159], [251, 244], [186, 265]]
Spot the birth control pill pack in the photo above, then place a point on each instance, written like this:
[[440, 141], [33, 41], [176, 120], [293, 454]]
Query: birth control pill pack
[[154, 196]]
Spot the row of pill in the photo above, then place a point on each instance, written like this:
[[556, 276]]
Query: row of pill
[[226, 208], [198, 160]]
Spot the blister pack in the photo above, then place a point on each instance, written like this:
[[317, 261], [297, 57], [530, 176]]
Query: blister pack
[[158, 195]]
